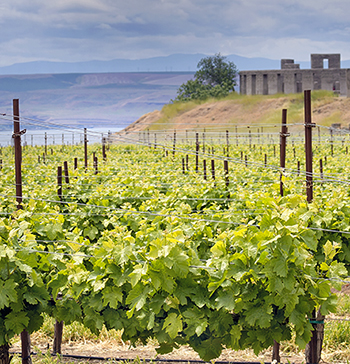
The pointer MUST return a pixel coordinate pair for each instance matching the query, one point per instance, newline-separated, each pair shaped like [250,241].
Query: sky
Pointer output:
[83,30]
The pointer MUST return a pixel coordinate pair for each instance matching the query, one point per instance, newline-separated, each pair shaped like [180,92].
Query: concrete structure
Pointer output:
[325,74]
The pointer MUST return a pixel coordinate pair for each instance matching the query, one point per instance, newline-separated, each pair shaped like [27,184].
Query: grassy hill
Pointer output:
[244,111]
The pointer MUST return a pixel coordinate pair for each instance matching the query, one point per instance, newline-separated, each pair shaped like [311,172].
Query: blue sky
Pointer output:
[83,30]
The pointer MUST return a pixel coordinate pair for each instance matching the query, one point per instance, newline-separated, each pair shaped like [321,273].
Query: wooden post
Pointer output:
[25,338]
[25,346]
[332,148]
[204,141]
[205,169]
[227,182]
[187,162]
[75,163]
[18,152]
[85,149]
[59,182]
[308,144]
[321,169]
[276,352]
[66,174]
[96,164]
[174,144]
[197,150]
[45,143]
[283,143]
[228,143]
[183,165]
[314,347]
[57,342]
[104,156]
[213,169]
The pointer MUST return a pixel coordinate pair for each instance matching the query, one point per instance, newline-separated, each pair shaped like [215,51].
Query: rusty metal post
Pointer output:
[308,145]
[312,352]
[104,156]
[228,143]
[332,147]
[213,169]
[85,148]
[197,150]
[174,142]
[227,182]
[59,182]
[25,337]
[283,142]
[321,169]
[96,164]
[66,174]
[18,152]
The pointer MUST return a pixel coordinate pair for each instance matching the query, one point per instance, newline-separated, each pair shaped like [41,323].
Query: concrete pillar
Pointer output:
[348,82]
[343,82]
[259,83]
[249,84]
[272,83]
[307,80]
[289,86]
[328,78]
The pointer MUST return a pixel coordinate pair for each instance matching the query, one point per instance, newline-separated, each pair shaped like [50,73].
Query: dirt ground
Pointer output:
[116,349]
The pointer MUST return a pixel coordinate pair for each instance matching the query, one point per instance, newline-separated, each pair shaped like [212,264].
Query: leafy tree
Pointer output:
[216,77]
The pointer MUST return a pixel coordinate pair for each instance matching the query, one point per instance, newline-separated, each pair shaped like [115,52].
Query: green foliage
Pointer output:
[214,79]
[161,255]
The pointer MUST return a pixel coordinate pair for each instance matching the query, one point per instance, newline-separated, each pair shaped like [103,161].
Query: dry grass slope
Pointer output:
[245,111]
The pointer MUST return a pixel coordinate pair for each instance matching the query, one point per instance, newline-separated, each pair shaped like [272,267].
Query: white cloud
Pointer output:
[73,30]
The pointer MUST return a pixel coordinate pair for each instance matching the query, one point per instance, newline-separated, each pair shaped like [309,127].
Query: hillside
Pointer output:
[245,111]
[111,100]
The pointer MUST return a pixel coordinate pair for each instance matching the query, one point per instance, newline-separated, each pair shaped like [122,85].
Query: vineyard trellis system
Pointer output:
[237,260]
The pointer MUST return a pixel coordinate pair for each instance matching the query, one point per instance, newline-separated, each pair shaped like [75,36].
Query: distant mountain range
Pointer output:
[89,100]
[172,63]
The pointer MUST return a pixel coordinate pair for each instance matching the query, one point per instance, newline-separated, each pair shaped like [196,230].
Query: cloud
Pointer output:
[78,30]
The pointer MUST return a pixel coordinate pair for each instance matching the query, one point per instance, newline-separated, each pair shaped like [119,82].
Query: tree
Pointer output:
[216,77]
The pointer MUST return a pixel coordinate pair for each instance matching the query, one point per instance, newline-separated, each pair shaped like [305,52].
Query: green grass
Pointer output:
[293,102]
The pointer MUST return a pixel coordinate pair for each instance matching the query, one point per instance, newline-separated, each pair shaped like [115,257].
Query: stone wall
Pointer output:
[291,79]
